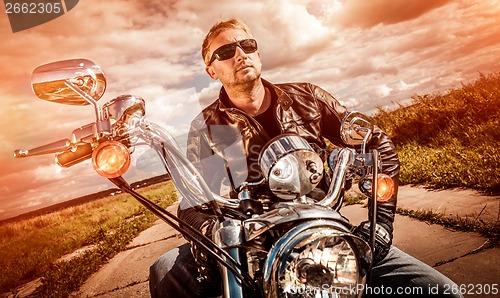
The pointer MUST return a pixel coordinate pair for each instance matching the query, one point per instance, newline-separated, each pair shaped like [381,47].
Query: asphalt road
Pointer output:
[461,255]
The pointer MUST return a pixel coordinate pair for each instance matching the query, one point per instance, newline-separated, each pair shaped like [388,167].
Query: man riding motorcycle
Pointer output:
[224,144]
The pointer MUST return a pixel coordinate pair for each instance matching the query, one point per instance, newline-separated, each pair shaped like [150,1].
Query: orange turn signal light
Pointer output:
[111,159]
[385,187]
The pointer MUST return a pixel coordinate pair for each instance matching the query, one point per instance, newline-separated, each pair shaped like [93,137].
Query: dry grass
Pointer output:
[450,140]
[28,248]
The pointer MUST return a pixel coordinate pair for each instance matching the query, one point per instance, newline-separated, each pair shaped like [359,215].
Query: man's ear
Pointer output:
[211,73]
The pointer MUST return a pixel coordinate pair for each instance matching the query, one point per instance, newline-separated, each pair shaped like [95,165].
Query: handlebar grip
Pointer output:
[53,147]
[69,158]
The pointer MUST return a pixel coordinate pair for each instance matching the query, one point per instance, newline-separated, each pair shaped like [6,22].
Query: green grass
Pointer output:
[352,198]
[62,278]
[30,248]
[449,140]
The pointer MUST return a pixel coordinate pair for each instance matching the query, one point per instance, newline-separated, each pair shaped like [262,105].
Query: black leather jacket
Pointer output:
[224,142]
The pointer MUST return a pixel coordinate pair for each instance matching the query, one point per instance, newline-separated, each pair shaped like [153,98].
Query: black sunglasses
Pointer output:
[227,51]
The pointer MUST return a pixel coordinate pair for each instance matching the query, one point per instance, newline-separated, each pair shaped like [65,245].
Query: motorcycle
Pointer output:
[297,246]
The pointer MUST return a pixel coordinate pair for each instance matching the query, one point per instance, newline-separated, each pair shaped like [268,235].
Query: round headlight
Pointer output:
[325,266]
[317,261]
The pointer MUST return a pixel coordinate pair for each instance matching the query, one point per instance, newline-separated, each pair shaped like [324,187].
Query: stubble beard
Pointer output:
[246,82]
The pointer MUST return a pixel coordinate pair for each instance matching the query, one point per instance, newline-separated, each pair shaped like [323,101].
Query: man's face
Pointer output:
[242,68]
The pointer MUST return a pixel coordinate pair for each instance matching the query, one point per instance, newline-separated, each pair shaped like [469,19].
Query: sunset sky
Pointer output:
[365,53]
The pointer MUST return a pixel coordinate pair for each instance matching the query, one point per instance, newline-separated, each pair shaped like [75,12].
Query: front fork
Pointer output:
[229,236]
[373,211]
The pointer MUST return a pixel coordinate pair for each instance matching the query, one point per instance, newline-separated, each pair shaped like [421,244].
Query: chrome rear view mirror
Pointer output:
[356,129]
[72,82]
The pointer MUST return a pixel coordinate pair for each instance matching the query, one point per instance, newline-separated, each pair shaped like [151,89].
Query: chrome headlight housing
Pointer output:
[291,166]
[317,259]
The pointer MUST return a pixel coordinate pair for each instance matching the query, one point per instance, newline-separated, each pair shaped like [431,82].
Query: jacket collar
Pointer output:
[283,99]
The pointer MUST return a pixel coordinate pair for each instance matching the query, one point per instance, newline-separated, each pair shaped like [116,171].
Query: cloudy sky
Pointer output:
[366,53]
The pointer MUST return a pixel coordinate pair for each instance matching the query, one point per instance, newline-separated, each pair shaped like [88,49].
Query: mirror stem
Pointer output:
[365,141]
[88,98]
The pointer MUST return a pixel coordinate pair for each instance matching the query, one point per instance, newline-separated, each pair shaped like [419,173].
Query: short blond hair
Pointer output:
[217,29]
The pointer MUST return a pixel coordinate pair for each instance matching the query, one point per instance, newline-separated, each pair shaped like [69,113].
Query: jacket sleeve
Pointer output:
[390,166]
[332,114]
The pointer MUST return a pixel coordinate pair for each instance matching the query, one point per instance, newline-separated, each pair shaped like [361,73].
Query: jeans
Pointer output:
[397,275]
